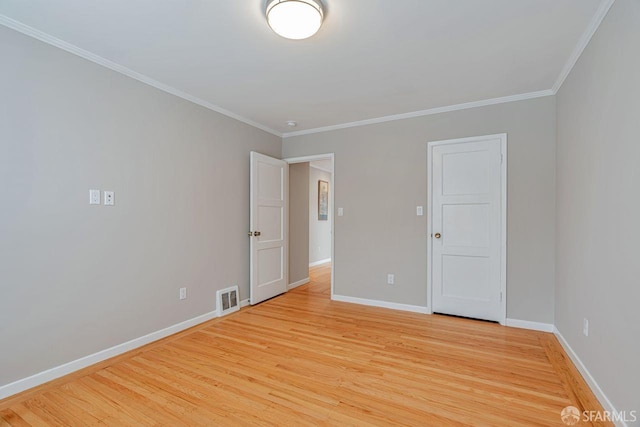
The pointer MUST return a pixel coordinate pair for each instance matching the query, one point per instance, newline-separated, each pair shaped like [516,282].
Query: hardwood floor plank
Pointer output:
[29,417]
[10,418]
[303,360]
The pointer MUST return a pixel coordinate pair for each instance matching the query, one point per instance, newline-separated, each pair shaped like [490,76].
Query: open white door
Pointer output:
[268,227]
[468,195]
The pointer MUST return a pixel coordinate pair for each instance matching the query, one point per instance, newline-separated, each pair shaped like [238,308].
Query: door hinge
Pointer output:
[500,296]
[501,158]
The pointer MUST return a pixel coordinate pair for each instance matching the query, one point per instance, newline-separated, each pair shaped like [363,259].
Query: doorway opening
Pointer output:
[311,222]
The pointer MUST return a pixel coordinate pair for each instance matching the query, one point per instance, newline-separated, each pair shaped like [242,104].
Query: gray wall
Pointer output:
[298,222]
[381,178]
[319,231]
[598,207]
[75,278]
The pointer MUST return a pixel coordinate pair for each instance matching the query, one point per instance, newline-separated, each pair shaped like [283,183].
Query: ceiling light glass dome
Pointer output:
[295,19]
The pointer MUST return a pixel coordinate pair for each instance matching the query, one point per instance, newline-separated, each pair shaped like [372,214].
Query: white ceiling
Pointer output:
[371,58]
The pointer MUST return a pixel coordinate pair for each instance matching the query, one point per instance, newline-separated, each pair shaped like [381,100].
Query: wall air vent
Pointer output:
[227,300]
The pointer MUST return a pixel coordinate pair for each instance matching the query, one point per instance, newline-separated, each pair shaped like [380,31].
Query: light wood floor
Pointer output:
[301,359]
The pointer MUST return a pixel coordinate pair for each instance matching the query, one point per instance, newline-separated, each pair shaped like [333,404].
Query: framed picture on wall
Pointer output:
[323,200]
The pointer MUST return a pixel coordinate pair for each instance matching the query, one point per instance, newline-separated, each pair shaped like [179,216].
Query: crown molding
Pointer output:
[597,19]
[431,111]
[584,40]
[54,41]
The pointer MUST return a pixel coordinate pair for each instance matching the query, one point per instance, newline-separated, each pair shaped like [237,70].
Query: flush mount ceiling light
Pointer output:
[295,19]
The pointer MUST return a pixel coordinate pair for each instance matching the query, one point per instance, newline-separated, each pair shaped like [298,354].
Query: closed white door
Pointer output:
[468,193]
[268,227]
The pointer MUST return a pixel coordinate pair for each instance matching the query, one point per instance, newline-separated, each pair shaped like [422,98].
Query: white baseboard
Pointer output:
[526,324]
[67,368]
[244,302]
[383,304]
[593,385]
[298,283]
[322,261]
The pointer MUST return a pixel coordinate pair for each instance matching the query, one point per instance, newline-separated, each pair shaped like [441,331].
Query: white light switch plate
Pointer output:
[94,197]
[340,211]
[109,198]
[419,211]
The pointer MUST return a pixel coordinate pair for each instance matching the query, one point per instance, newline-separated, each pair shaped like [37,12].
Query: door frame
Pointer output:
[503,219]
[332,192]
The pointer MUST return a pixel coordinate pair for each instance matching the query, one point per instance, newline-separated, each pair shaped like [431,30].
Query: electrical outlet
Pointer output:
[585,327]
[109,198]
[183,293]
[391,278]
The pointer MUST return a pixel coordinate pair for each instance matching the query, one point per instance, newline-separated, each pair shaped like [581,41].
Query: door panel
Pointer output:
[466,225]
[269,262]
[465,277]
[466,221]
[270,182]
[270,223]
[269,186]
[465,173]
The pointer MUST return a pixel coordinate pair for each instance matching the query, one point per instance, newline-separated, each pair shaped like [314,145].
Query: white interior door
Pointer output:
[467,227]
[268,227]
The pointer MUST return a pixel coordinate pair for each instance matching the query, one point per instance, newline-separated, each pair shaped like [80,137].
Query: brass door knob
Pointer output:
[437,235]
